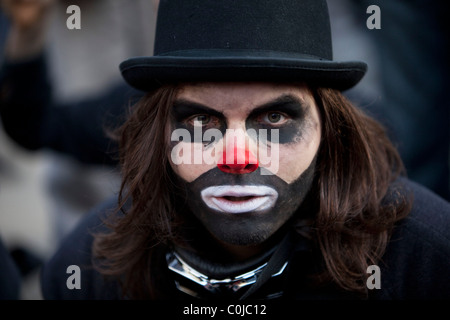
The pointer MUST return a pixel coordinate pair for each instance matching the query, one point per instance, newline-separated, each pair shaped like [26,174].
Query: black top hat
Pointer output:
[242,40]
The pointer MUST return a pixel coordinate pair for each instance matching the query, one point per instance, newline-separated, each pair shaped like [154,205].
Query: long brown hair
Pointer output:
[356,165]
[358,201]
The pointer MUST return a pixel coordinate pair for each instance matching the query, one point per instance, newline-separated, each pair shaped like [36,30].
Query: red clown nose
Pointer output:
[242,161]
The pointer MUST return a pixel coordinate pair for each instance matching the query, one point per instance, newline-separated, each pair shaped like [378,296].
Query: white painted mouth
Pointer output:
[238,198]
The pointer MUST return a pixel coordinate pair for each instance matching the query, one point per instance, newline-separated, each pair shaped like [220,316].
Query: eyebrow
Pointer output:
[184,108]
[287,103]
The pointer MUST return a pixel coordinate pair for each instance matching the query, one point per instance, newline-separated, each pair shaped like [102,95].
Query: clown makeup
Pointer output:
[245,209]
[235,201]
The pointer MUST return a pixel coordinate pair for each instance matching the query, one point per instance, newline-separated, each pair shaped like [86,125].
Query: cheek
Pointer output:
[295,158]
[188,160]
[190,172]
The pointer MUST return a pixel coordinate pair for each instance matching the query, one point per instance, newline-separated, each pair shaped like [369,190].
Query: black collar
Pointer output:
[201,278]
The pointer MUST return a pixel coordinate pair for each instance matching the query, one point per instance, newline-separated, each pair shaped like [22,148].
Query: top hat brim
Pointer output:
[148,73]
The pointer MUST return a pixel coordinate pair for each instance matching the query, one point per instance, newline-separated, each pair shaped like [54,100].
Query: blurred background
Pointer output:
[60,87]
[45,188]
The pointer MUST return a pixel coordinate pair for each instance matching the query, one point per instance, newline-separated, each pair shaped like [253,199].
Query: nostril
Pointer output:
[241,168]
[251,167]
[238,169]
[243,162]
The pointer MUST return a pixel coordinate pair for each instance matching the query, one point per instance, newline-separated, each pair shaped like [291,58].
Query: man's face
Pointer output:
[246,157]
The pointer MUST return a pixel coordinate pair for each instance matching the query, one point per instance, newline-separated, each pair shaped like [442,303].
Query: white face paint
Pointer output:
[239,199]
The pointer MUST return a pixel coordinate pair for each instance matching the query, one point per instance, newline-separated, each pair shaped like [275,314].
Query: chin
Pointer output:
[244,238]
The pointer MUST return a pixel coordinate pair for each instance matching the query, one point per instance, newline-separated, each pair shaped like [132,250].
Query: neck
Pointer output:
[221,262]
[241,253]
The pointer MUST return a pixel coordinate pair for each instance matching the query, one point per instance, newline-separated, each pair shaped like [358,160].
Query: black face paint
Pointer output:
[288,132]
[184,110]
[253,227]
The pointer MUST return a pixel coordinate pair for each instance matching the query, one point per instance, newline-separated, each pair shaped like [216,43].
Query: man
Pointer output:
[247,174]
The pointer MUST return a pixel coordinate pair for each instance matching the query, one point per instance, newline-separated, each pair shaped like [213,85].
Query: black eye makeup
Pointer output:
[203,121]
[194,116]
[273,118]
[184,110]
[286,114]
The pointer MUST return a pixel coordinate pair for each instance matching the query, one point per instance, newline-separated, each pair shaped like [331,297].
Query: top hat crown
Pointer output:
[237,40]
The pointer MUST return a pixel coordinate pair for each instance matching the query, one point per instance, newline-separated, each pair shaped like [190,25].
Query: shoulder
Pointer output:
[69,274]
[417,259]
[429,218]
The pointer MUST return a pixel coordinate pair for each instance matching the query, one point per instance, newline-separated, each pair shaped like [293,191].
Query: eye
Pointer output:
[274,118]
[202,119]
